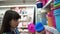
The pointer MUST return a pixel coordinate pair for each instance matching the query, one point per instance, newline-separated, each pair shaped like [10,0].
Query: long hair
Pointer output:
[9,15]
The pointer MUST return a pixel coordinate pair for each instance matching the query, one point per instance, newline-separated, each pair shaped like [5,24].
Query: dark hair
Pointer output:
[9,15]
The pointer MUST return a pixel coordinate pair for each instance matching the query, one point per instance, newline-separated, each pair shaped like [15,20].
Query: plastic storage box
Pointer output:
[56,1]
[57,18]
[50,18]
[39,5]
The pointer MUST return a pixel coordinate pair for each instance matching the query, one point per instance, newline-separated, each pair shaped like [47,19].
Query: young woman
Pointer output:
[10,22]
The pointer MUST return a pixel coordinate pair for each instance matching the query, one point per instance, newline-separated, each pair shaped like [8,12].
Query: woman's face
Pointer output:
[14,23]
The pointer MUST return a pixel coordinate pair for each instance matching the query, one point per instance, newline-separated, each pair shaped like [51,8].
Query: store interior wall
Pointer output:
[17,2]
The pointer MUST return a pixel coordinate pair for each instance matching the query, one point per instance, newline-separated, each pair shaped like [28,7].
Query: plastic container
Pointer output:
[57,5]
[39,27]
[44,19]
[39,5]
[31,28]
[56,1]
[51,19]
[57,18]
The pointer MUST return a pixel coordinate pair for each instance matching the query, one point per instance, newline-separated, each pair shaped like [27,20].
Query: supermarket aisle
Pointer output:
[47,12]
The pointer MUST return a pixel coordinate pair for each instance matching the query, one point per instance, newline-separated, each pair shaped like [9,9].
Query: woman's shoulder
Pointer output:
[7,33]
[4,33]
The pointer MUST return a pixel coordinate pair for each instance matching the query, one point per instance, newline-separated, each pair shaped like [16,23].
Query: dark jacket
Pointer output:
[17,32]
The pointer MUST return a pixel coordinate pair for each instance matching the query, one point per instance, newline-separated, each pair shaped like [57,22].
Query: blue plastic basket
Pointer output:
[57,18]
[57,12]
[56,1]
[39,27]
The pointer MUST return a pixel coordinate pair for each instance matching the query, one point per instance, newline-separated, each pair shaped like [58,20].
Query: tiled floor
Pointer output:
[23,33]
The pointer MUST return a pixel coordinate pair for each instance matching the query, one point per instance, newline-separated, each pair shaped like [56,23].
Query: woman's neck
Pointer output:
[12,29]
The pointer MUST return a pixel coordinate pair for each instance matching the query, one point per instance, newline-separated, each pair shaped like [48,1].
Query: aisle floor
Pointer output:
[23,33]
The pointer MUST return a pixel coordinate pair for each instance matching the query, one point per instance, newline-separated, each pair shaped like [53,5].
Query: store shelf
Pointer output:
[51,29]
[19,6]
[24,27]
[47,4]
[22,30]
[23,14]
[24,20]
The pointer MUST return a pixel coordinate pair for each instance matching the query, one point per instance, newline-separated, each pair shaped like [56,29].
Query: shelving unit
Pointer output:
[50,29]
[42,10]
[19,6]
